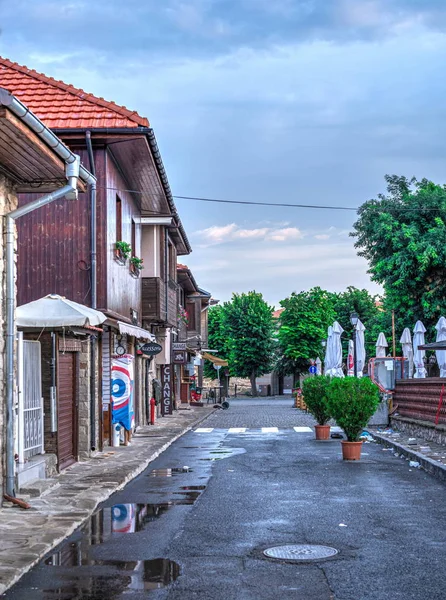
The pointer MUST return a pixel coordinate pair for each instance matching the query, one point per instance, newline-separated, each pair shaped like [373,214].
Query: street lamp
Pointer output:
[354,321]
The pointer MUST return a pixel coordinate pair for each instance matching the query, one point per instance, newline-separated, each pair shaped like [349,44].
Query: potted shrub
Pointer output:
[122,251]
[351,402]
[136,265]
[315,390]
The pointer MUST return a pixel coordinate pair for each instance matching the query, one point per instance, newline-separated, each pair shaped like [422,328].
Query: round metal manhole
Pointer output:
[300,552]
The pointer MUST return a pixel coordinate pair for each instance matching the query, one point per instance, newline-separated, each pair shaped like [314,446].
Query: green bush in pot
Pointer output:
[315,391]
[351,402]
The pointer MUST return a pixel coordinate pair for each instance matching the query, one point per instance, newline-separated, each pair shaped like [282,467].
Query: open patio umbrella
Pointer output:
[381,346]
[418,355]
[351,359]
[56,311]
[406,345]
[327,365]
[360,348]
[441,337]
[336,352]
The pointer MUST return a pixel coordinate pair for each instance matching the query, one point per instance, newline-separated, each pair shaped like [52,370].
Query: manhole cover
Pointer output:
[300,552]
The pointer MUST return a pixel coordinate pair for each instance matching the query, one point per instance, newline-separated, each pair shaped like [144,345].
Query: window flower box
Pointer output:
[122,252]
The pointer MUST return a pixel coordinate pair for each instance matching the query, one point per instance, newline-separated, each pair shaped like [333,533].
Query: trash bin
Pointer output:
[265,389]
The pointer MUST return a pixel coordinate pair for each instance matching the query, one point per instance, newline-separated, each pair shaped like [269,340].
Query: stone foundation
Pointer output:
[417,428]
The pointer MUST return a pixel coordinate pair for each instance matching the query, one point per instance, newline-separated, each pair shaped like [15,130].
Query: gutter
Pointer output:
[73,171]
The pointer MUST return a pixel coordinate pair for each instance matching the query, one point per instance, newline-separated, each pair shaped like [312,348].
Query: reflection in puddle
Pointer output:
[142,575]
[169,472]
[107,522]
[193,487]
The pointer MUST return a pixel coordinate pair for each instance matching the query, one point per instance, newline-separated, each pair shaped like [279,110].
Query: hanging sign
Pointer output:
[179,346]
[166,387]
[179,357]
[151,349]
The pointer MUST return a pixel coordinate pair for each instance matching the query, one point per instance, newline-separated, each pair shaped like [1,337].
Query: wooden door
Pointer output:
[67,409]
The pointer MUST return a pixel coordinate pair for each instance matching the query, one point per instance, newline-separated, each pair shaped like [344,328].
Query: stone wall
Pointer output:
[418,428]
[8,202]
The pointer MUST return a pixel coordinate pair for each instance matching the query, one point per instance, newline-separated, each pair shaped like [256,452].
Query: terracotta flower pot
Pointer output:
[322,432]
[351,450]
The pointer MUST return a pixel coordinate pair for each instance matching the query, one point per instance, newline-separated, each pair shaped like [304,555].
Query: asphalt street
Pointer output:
[195,524]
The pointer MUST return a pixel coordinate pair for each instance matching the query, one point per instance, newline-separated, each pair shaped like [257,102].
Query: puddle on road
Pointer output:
[169,472]
[193,488]
[142,575]
[108,522]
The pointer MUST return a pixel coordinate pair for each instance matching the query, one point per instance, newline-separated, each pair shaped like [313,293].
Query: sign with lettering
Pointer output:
[166,387]
[151,349]
[179,357]
[179,346]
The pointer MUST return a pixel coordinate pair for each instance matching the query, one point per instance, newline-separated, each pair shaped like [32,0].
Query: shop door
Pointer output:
[67,410]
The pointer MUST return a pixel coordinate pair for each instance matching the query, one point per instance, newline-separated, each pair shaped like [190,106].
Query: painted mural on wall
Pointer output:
[122,391]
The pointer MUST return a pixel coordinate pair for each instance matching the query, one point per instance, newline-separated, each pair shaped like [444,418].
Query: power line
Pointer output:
[281,204]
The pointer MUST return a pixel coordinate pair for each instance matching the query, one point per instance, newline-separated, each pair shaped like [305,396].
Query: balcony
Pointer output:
[158,306]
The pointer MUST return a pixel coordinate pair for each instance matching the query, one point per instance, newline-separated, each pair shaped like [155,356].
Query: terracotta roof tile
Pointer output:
[62,106]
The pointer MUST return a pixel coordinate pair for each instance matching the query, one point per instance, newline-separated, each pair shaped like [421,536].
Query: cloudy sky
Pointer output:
[292,101]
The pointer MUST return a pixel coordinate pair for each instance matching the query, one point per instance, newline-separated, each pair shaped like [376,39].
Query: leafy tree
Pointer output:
[217,338]
[303,326]
[364,304]
[249,324]
[402,235]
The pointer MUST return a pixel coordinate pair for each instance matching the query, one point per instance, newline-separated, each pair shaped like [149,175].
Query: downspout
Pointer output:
[70,192]
[94,300]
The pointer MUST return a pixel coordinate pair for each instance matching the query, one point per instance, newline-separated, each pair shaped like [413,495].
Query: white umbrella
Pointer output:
[327,365]
[441,337]
[318,366]
[56,311]
[382,345]
[351,359]
[406,344]
[360,348]
[418,355]
[336,352]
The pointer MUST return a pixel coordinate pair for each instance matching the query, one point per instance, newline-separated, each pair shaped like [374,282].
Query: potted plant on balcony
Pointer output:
[122,251]
[182,315]
[351,402]
[136,265]
[315,392]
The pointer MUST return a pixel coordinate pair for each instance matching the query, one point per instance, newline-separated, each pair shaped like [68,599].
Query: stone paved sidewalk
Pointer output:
[430,456]
[27,535]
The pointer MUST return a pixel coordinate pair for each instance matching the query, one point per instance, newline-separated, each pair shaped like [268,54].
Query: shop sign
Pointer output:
[179,346]
[151,349]
[166,385]
[179,357]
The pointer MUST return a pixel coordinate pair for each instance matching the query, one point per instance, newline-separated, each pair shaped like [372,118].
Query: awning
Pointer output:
[56,311]
[214,359]
[138,332]
[433,346]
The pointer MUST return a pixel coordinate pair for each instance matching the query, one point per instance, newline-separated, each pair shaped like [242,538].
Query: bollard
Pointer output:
[152,411]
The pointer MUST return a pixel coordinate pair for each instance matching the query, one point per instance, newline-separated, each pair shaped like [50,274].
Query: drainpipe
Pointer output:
[69,191]
[94,301]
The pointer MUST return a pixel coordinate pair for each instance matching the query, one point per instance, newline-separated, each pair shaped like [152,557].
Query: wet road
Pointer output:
[199,532]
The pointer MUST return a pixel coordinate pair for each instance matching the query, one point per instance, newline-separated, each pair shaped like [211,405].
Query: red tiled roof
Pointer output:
[62,106]
[181,267]
[277,313]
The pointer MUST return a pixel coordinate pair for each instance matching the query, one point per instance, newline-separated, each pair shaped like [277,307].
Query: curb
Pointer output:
[109,492]
[429,465]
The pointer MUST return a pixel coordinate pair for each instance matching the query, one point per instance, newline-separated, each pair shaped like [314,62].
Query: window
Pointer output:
[191,321]
[172,263]
[118,219]
[133,242]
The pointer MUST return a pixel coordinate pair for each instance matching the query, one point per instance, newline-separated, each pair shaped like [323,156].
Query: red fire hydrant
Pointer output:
[152,411]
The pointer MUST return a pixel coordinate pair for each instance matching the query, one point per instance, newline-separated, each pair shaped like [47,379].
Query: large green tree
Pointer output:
[218,338]
[250,326]
[402,235]
[303,326]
